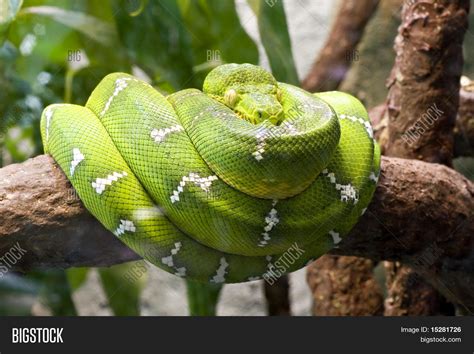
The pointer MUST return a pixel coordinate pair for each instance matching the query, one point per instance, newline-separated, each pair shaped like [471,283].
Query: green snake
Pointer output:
[243,180]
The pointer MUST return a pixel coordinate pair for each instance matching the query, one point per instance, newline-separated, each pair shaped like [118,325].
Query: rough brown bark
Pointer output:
[338,53]
[422,106]
[341,273]
[410,295]
[431,254]
[344,286]
[424,84]
[463,130]
[417,208]
[40,210]
[405,297]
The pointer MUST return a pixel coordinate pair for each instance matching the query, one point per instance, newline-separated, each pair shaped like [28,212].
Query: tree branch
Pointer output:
[424,84]
[422,214]
[463,130]
[40,210]
[336,57]
[410,295]
[422,106]
[344,286]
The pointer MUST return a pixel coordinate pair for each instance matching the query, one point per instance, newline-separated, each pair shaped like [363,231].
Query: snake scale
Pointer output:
[245,179]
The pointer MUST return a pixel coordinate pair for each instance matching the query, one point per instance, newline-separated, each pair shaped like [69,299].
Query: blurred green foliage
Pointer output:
[465,165]
[469,46]
[57,51]
[275,38]
[203,298]
[123,285]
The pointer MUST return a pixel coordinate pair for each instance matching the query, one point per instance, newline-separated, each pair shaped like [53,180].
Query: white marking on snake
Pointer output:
[269,260]
[271,221]
[335,237]
[185,96]
[374,177]
[260,149]
[125,225]
[48,114]
[221,272]
[120,85]
[198,117]
[158,135]
[77,157]
[168,260]
[364,122]
[147,213]
[101,183]
[213,112]
[347,191]
[269,265]
[310,106]
[203,182]
[180,272]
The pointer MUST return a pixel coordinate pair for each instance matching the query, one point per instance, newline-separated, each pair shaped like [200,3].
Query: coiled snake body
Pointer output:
[218,185]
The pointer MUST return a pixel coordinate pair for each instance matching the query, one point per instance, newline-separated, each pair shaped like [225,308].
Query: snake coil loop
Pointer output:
[246,179]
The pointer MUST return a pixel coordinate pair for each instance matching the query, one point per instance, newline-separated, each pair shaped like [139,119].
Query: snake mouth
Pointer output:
[256,116]
[260,117]
[259,109]
[240,115]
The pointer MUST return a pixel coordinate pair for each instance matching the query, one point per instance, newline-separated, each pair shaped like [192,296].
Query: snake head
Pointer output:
[258,107]
[248,90]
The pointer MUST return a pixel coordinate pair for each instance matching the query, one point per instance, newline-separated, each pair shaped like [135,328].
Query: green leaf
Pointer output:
[465,166]
[55,49]
[8,11]
[55,292]
[203,298]
[77,277]
[92,27]
[275,38]
[216,34]
[157,41]
[17,294]
[123,285]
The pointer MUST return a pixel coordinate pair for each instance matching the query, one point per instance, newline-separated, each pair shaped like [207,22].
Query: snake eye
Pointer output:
[230,97]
